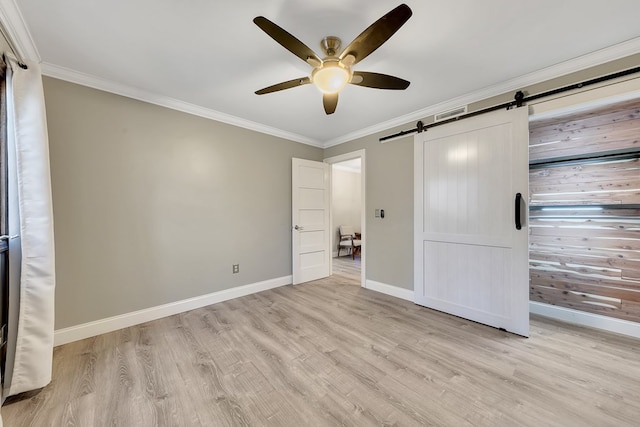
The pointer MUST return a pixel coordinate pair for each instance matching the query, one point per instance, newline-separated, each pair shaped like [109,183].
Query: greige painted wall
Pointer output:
[153,206]
[4,46]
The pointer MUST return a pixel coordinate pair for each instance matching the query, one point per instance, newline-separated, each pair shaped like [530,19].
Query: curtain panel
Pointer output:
[31,245]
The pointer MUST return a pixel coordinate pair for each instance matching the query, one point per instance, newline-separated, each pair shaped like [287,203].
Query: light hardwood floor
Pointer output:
[347,268]
[331,353]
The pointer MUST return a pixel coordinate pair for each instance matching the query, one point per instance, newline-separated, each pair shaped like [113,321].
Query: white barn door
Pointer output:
[471,236]
[310,220]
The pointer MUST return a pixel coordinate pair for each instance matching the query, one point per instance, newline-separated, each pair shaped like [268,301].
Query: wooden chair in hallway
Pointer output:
[349,240]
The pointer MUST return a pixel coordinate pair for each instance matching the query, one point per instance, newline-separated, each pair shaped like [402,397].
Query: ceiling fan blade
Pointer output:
[288,41]
[284,85]
[377,33]
[330,101]
[378,81]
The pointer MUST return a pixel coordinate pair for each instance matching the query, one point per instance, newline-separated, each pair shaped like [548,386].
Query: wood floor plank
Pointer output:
[331,353]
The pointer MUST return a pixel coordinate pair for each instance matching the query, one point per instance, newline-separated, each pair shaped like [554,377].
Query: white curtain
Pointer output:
[31,266]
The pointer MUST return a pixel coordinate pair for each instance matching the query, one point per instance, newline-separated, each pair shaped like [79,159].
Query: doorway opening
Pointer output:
[347,216]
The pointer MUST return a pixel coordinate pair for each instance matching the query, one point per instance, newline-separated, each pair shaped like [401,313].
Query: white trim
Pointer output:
[361,154]
[13,22]
[582,318]
[86,330]
[394,291]
[593,59]
[99,83]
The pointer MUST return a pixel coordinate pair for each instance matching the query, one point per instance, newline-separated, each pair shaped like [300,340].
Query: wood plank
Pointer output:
[583,147]
[627,228]
[625,269]
[618,112]
[613,130]
[585,199]
[576,299]
[609,128]
[580,269]
[587,137]
[626,310]
[613,170]
[586,194]
[592,279]
[612,182]
[612,212]
[607,288]
[587,241]
[580,250]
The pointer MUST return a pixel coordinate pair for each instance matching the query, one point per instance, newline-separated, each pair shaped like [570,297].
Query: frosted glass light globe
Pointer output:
[331,77]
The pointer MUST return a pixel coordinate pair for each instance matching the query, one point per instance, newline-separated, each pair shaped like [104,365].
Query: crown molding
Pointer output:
[88,80]
[593,59]
[16,29]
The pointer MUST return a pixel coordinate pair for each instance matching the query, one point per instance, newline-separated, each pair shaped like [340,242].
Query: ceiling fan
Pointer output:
[333,72]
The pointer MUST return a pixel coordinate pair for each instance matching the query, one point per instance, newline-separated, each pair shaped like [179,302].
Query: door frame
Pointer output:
[361,154]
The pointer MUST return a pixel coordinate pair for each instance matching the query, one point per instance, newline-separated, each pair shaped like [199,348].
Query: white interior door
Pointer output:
[310,220]
[471,258]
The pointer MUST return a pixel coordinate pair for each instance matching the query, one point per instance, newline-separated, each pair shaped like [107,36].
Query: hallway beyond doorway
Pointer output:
[348,268]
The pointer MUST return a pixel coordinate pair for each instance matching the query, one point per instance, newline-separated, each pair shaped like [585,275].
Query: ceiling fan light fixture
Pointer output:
[331,77]
[333,72]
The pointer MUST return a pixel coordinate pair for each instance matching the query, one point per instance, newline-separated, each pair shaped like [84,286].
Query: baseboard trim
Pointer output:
[394,291]
[582,318]
[90,329]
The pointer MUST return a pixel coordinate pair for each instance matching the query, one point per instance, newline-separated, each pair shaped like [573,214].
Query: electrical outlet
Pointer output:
[236,268]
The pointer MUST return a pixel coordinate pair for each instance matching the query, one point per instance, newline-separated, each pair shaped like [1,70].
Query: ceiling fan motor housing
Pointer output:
[331,45]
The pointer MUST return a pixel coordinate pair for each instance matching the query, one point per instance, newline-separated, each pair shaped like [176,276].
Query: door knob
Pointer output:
[297,227]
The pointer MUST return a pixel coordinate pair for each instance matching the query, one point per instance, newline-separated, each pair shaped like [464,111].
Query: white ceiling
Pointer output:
[207,56]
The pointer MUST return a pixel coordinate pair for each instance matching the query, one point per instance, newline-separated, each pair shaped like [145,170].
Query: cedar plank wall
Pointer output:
[585,251]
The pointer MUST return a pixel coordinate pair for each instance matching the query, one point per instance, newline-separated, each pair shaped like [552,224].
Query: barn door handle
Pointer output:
[518,203]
